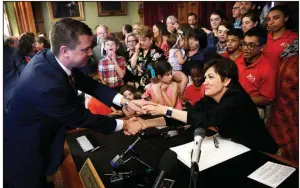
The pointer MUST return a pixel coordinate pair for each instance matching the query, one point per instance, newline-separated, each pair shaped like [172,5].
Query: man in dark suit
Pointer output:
[44,105]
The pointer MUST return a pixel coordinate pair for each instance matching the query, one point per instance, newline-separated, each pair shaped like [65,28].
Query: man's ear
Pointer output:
[227,81]
[64,51]
[286,18]
[262,48]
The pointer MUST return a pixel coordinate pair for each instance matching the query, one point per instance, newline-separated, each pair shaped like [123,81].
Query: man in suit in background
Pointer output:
[102,35]
[44,105]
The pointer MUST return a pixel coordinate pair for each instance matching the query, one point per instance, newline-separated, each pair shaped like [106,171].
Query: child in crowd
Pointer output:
[111,69]
[41,43]
[177,58]
[162,89]
[195,91]
[130,93]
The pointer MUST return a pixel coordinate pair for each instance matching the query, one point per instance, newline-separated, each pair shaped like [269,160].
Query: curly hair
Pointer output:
[25,43]
[145,31]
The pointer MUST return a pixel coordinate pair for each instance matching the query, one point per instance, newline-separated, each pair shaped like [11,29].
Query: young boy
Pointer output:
[222,37]
[111,68]
[258,77]
[195,91]
[234,52]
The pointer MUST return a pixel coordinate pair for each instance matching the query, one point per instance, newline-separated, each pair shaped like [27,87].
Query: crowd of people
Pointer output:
[222,76]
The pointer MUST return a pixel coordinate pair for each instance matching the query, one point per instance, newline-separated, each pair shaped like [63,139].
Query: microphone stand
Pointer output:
[194,175]
[120,161]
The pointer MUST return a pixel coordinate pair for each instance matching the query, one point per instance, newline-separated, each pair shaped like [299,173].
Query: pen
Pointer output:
[216,142]
[95,148]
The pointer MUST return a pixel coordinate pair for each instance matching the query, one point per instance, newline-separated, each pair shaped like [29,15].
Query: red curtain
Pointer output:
[158,12]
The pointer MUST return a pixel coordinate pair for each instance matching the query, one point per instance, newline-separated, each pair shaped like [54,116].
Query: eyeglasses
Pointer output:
[250,46]
[235,8]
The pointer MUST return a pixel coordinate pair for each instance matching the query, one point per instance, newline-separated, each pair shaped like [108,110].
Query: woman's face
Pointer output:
[214,86]
[215,21]
[131,42]
[135,27]
[145,42]
[155,31]
[193,43]
[128,95]
[167,77]
[247,24]
[276,20]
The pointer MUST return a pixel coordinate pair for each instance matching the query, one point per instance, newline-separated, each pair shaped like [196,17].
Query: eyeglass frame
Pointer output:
[249,47]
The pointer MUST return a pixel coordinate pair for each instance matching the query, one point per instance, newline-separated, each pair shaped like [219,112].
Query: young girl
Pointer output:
[162,89]
[130,93]
[177,58]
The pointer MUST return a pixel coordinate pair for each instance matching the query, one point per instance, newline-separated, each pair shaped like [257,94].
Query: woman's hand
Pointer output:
[137,48]
[155,109]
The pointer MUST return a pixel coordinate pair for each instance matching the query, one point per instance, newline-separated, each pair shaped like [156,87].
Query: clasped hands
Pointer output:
[135,125]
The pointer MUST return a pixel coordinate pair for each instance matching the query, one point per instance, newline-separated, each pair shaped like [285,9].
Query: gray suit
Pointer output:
[97,52]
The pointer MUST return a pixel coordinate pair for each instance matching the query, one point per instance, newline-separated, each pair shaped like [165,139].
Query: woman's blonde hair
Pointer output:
[145,31]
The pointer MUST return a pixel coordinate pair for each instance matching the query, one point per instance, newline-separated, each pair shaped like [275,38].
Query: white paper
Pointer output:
[210,155]
[272,174]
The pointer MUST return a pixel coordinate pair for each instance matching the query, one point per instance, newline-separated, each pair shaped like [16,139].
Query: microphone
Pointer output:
[199,134]
[167,161]
[118,159]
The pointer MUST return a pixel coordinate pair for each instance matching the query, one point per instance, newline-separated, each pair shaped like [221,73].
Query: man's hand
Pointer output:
[131,126]
[177,77]
[155,109]
[137,104]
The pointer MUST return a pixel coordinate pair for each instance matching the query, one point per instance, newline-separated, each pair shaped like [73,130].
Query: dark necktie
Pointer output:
[72,82]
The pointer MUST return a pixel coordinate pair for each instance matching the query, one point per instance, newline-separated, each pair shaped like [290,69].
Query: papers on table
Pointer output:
[272,174]
[210,155]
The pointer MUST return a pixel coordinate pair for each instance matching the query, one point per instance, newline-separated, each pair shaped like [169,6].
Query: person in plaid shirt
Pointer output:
[111,68]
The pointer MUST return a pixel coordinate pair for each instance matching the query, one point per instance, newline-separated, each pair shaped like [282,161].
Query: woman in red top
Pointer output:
[161,36]
[279,37]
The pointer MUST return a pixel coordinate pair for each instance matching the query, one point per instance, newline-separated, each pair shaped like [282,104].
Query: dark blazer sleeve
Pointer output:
[55,102]
[90,86]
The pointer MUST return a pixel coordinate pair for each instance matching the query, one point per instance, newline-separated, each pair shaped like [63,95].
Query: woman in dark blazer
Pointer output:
[225,106]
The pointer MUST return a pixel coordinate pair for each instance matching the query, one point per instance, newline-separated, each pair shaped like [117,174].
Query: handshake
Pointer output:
[135,125]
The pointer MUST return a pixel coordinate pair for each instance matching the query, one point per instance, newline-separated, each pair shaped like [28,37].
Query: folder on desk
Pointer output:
[210,155]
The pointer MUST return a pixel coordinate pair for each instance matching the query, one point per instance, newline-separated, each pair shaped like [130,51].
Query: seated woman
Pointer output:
[162,89]
[225,106]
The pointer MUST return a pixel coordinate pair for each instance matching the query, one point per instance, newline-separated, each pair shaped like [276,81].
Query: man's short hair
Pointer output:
[258,32]
[66,32]
[128,28]
[170,19]
[192,14]
[236,32]
[9,41]
[102,26]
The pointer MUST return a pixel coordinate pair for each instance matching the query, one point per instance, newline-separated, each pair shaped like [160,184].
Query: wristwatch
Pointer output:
[169,112]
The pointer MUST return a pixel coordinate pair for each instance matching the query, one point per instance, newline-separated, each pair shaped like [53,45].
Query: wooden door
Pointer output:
[193,8]
[182,12]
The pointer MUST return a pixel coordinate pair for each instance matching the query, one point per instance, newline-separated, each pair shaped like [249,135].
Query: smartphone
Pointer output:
[167,183]
[89,143]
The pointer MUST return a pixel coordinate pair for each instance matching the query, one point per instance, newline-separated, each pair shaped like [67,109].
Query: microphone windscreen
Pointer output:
[199,132]
[167,161]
